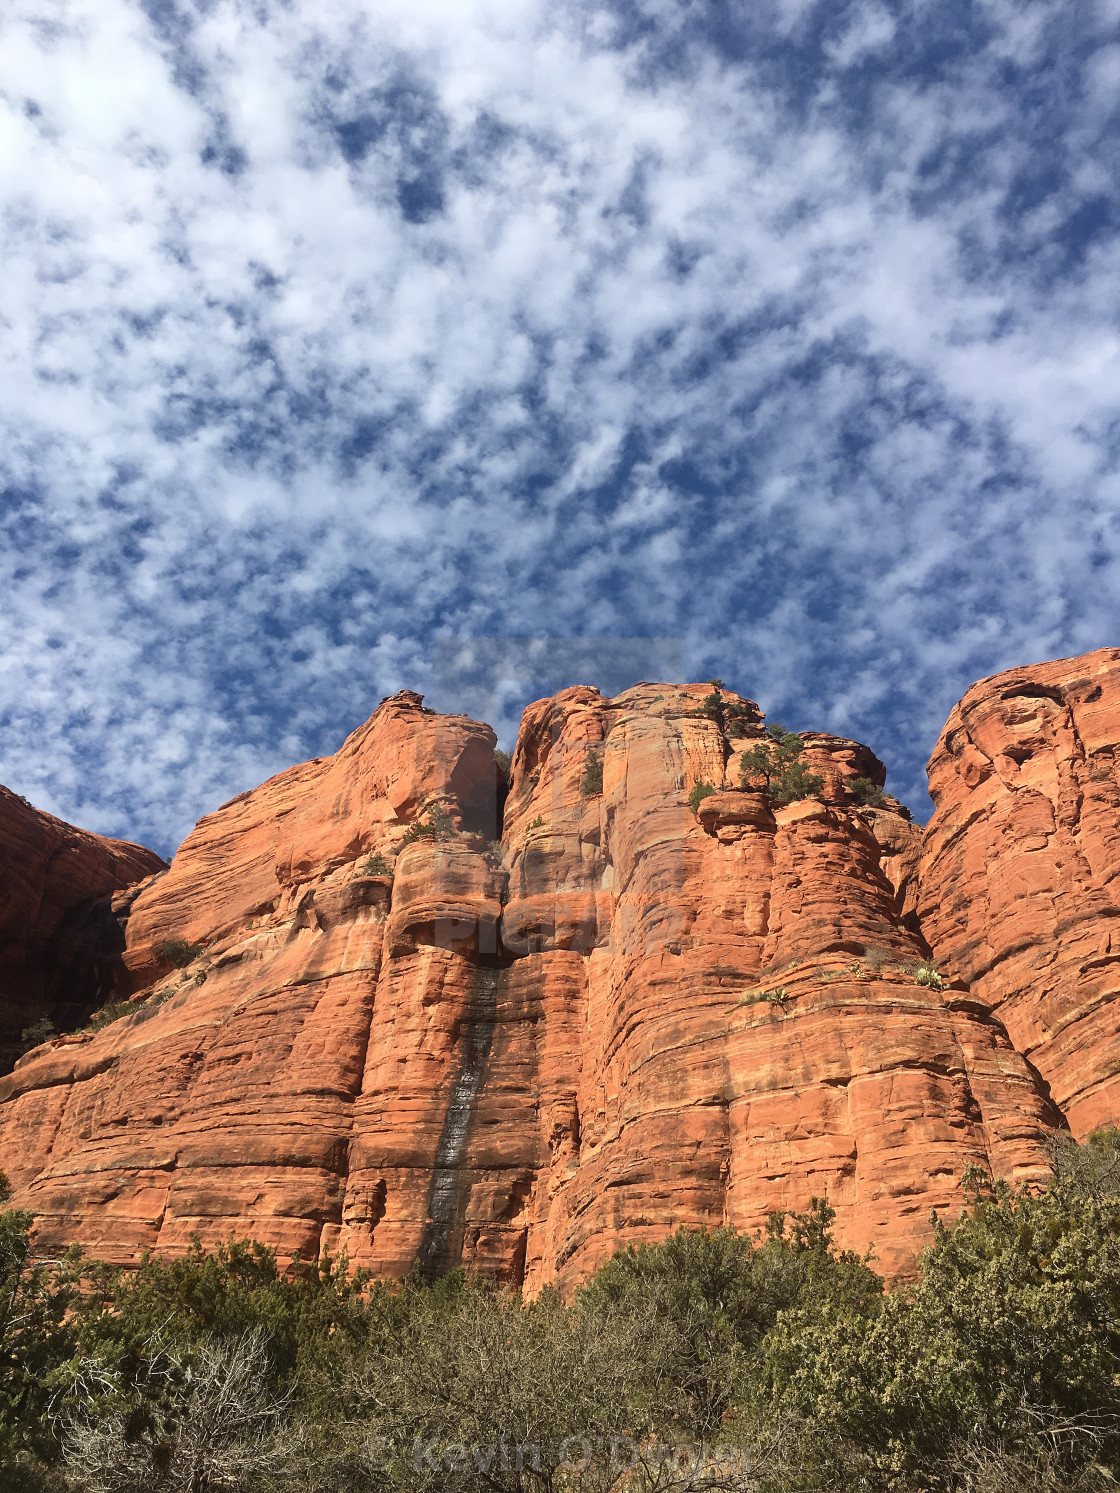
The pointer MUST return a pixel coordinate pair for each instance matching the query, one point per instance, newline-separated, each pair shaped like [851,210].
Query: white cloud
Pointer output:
[488,324]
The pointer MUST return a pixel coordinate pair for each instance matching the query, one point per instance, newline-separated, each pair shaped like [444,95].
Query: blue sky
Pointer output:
[331,334]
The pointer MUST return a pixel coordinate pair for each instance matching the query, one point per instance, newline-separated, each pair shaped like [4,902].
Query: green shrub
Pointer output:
[865,792]
[712,708]
[439,825]
[110,1013]
[731,718]
[375,865]
[591,783]
[776,997]
[778,761]
[37,1033]
[537,823]
[503,760]
[1006,1350]
[178,952]
[716,1295]
[698,794]
[926,974]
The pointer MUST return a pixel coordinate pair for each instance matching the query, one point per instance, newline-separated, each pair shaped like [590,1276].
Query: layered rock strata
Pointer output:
[1019,889]
[518,1054]
[60,934]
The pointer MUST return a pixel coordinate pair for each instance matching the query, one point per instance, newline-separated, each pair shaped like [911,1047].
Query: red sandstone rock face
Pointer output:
[226,1103]
[58,936]
[679,1092]
[1018,875]
[519,1056]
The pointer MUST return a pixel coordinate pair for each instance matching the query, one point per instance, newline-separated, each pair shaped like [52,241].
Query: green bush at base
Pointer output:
[712,1359]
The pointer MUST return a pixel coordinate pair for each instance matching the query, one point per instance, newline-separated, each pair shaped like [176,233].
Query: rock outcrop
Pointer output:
[362,1022]
[60,936]
[1019,891]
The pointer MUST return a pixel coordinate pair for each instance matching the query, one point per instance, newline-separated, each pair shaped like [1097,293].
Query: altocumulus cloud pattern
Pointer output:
[329,331]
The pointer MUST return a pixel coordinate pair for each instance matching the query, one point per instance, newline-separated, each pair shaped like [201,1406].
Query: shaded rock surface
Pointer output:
[622,1016]
[60,935]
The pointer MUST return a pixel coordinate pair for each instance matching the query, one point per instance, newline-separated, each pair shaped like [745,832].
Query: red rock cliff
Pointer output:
[59,937]
[1019,893]
[622,1017]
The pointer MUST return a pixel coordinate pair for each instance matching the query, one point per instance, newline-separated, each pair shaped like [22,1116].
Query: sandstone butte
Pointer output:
[622,1017]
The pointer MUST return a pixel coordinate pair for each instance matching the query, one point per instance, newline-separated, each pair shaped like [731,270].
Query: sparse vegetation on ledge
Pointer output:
[698,794]
[439,825]
[865,792]
[177,952]
[778,763]
[926,974]
[731,718]
[39,1032]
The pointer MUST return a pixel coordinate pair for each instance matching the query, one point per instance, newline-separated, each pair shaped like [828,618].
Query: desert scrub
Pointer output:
[779,763]
[178,952]
[591,783]
[698,794]
[39,1032]
[926,974]
[537,823]
[376,865]
[502,761]
[108,1014]
[143,1009]
[866,793]
[776,997]
[439,825]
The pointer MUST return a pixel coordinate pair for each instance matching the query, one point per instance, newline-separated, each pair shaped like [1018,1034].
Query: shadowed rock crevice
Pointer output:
[60,938]
[441,1244]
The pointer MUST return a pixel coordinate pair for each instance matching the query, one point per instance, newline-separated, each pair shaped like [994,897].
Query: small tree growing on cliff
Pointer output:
[699,794]
[38,1032]
[865,792]
[728,716]
[591,784]
[439,825]
[779,763]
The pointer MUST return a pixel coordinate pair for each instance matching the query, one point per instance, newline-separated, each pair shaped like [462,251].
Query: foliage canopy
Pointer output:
[762,1365]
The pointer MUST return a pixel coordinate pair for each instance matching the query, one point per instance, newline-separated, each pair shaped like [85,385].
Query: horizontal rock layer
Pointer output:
[1019,889]
[622,1016]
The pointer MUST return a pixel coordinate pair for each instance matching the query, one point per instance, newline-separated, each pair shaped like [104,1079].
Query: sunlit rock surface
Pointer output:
[519,1052]
[1019,890]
